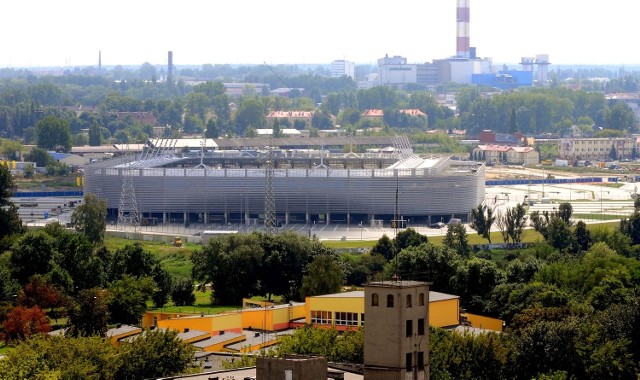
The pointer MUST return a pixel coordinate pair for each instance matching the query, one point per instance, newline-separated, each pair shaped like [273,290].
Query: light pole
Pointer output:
[360,230]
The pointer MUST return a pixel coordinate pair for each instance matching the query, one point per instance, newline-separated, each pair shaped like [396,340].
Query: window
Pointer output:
[409,328]
[374,299]
[420,360]
[389,300]
[362,319]
[321,317]
[421,299]
[421,326]
[346,319]
[408,357]
[408,300]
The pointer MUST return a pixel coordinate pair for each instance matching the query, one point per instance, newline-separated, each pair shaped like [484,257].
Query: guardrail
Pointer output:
[38,194]
[511,182]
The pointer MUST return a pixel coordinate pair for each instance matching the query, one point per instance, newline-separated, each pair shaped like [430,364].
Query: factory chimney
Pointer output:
[462,41]
[170,65]
[99,61]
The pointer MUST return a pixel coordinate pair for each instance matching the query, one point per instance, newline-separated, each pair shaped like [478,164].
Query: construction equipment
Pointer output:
[177,241]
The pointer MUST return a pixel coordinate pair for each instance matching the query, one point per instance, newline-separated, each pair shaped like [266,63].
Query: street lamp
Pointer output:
[360,230]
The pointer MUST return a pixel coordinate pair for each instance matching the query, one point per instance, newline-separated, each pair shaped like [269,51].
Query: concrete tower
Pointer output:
[396,338]
[542,60]
[463,13]
[170,66]
[99,61]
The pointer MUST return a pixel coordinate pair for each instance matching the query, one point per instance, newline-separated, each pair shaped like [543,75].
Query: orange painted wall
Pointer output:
[444,313]
[482,322]
[209,323]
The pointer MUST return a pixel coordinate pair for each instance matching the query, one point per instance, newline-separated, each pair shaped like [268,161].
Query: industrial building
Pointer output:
[465,66]
[222,187]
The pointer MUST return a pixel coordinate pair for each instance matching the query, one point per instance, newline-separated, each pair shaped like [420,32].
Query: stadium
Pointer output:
[222,187]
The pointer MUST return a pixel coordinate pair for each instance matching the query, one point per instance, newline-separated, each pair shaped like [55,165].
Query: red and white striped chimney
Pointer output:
[462,42]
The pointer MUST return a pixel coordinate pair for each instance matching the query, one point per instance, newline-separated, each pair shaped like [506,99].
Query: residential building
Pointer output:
[593,149]
[341,67]
[510,155]
[293,117]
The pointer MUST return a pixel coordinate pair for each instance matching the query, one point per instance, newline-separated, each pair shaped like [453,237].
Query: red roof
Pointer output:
[373,113]
[494,148]
[413,112]
[287,114]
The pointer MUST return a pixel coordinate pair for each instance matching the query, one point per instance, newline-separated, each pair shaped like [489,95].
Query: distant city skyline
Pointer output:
[67,33]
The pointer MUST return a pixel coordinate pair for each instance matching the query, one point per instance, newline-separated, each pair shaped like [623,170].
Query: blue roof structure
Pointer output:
[504,80]
[58,156]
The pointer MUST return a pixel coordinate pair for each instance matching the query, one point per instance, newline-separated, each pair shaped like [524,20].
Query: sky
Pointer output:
[69,33]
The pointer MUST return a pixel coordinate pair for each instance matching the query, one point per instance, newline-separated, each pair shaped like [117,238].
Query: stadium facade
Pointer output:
[229,188]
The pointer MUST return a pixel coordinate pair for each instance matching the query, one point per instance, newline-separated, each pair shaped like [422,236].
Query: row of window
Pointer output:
[342,318]
[419,360]
[409,327]
[375,300]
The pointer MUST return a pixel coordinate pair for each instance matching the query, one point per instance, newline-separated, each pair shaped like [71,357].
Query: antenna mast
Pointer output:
[269,192]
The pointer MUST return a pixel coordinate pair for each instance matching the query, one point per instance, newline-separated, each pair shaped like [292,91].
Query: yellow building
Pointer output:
[346,311]
[214,324]
[272,318]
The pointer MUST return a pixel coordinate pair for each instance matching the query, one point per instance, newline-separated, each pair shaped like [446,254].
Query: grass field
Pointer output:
[177,261]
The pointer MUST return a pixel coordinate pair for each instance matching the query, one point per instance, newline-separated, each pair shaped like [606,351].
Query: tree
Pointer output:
[21,323]
[54,134]
[385,247]
[565,210]
[250,114]
[213,131]
[474,281]
[559,234]
[428,263]
[409,238]
[231,264]
[182,292]
[456,238]
[163,288]
[582,237]
[128,300]
[515,221]
[31,254]
[481,220]
[89,314]
[325,276]
[90,218]
[39,292]
[290,255]
[613,153]
[631,227]
[540,223]
[10,222]
[95,135]
[155,354]
[501,223]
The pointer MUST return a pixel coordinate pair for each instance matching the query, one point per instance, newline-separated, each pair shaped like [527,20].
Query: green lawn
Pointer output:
[176,260]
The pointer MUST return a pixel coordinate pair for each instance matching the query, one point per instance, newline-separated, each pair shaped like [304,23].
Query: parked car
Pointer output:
[437,225]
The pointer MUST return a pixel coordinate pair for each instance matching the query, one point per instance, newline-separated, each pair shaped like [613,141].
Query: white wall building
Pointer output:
[596,148]
[343,67]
